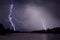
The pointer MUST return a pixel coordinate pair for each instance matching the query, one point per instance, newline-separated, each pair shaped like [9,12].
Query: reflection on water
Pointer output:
[30,36]
[53,36]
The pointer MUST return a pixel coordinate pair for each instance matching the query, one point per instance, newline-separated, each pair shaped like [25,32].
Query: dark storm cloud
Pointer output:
[4,11]
[51,5]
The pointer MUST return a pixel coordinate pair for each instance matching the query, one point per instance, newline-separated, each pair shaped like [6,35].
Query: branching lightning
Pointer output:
[10,18]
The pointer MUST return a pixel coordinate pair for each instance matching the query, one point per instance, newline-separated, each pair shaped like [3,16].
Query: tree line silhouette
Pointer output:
[6,31]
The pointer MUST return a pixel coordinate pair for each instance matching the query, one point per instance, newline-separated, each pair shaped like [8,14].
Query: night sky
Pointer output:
[29,15]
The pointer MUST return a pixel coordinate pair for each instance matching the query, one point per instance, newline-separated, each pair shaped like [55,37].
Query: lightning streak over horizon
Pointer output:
[43,24]
[10,18]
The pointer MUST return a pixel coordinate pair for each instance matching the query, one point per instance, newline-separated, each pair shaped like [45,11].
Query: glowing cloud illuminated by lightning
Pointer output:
[36,17]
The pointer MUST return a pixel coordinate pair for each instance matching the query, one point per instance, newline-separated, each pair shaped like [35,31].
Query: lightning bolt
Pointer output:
[10,18]
[43,24]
